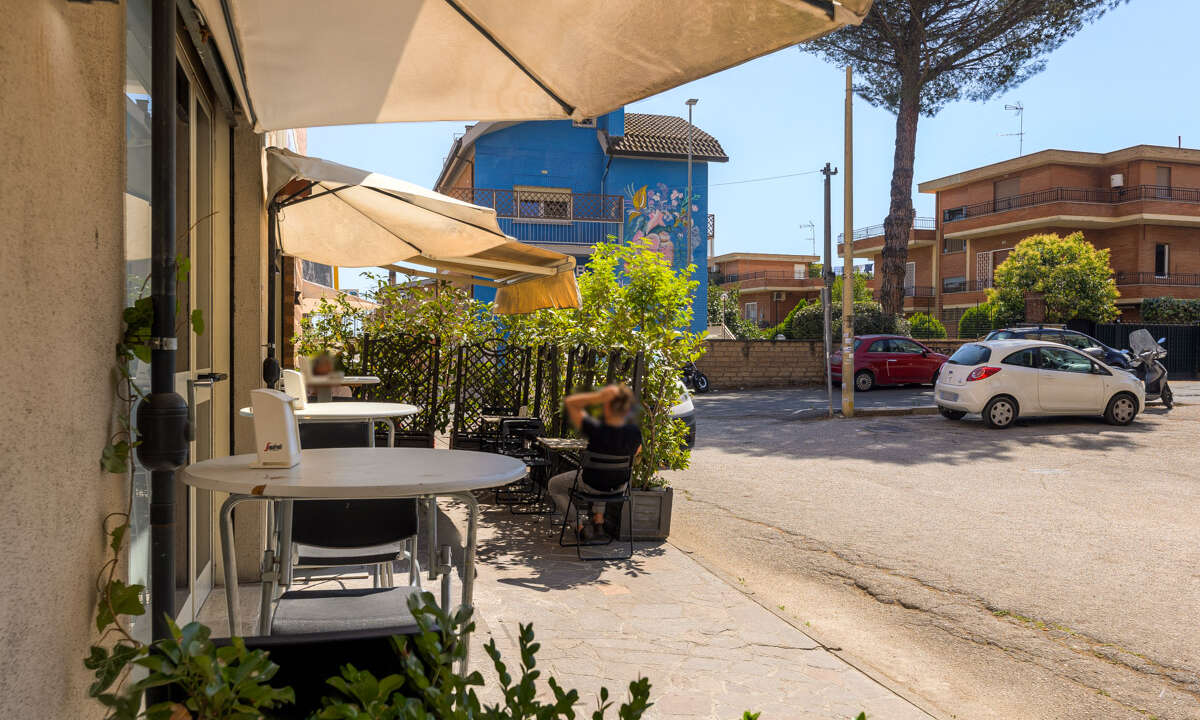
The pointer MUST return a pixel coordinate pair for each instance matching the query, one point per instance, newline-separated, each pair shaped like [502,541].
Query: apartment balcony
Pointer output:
[963,286]
[870,238]
[769,280]
[551,218]
[1078,208]
[1125,277]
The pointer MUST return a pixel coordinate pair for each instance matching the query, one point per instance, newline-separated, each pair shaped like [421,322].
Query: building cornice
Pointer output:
[1062,157]
[730,257]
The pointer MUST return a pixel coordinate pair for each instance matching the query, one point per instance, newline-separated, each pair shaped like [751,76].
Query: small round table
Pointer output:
[325,384]
[353,411]
[344,473]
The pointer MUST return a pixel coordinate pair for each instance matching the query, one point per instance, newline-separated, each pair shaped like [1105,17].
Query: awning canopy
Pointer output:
[339,215]
[305,63]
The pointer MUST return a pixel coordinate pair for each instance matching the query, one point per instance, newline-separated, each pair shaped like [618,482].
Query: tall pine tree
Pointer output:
[914,56]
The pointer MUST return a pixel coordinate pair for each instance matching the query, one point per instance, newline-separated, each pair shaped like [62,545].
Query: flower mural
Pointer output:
[658,216]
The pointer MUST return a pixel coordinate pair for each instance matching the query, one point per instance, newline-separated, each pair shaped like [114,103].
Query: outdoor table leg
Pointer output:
[229,559]
[391,423]
[431,523]
[468,580]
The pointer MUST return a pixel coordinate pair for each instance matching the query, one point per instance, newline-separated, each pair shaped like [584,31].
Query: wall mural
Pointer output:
[658,215]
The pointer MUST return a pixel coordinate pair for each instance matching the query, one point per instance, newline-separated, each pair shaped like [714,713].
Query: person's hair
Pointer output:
[623,401]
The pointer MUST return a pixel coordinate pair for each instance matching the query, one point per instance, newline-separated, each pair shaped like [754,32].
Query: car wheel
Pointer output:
[1000,412]
[1121,410]
[864,380]
[951,414]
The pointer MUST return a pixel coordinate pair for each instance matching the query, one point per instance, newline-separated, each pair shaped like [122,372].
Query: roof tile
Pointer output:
[664,136]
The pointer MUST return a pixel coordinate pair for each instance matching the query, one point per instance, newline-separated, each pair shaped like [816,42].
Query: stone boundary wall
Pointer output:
[742,364]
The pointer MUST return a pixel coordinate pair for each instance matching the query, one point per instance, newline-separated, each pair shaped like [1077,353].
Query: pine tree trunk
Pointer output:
[897,227]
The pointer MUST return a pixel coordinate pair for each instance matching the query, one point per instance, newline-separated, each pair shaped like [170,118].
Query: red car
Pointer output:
[889,360]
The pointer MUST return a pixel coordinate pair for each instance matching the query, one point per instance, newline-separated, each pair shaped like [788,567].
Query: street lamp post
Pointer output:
[691,103]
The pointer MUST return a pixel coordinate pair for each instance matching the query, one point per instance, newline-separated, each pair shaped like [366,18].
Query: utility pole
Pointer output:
[687,206]
[848,253]
[827,291]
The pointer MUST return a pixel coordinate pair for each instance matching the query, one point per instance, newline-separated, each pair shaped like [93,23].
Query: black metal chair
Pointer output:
[306,661]
[517,439]
[579,498]
[352,533]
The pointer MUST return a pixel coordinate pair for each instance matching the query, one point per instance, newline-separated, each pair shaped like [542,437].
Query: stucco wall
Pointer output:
[62,272]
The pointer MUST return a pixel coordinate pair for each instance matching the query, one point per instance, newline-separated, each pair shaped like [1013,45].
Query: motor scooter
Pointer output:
[1145,357]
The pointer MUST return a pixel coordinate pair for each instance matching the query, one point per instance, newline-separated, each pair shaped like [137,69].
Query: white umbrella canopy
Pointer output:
[306,63]
[339,215]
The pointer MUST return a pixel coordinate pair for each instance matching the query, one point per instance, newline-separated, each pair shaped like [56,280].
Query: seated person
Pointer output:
[615,434]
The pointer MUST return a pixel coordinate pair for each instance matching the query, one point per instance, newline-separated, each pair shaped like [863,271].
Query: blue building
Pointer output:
[568,185]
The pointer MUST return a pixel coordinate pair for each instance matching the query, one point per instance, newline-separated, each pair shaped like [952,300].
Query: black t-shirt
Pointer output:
[609,440]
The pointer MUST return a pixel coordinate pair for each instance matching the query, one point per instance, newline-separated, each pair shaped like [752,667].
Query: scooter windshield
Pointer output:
[1141,342]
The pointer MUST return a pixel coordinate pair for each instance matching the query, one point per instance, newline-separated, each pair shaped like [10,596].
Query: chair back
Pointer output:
[307,660]
[517,434]
[348,523]
[295,387]
[606,472]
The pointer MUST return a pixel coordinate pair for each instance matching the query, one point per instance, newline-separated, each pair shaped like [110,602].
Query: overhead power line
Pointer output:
[765,179]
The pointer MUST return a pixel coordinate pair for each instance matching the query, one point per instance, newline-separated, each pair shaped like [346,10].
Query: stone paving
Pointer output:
[708,649]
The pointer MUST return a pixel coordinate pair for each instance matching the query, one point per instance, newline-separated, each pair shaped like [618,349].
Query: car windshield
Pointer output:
[972,354]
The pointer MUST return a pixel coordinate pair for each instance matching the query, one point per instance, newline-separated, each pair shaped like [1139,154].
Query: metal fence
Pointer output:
[1182,342]
[1074,195]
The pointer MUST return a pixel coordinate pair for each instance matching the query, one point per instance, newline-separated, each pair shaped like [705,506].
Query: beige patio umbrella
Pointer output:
[305,63]
[339,215]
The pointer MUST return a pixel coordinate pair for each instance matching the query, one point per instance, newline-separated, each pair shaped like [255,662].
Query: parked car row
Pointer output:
[1014,372]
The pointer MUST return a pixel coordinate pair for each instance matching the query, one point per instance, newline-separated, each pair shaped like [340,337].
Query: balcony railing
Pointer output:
[536,216]
[959,286]
[542,206]
[1125,277]
[1073,195]
[762,275]
[921,223]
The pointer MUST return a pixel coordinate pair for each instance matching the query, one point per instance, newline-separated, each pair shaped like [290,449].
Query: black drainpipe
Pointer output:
[162,419]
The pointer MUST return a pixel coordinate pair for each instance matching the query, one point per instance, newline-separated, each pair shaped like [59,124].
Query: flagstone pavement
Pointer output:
[709,650]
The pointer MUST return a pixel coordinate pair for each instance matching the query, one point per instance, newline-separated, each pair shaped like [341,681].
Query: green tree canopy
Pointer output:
[914,56]
[1073,276]
[862,293]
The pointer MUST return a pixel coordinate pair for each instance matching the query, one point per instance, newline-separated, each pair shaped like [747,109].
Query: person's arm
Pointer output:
[578,403]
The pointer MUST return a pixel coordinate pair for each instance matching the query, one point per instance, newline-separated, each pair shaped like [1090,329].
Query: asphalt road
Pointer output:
[1048,571]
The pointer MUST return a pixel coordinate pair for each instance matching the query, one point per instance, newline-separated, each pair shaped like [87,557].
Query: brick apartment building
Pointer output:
[1141,203]
[769,285]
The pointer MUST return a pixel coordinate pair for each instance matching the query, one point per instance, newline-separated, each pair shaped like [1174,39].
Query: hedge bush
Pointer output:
[1171,310]
[976,322]
[869,319]
[926,326]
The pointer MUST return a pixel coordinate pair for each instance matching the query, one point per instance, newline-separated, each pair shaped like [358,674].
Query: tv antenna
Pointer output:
[1019,109]
[812,234]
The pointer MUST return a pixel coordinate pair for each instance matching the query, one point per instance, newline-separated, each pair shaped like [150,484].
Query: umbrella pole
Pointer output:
[271,363]
[162,418]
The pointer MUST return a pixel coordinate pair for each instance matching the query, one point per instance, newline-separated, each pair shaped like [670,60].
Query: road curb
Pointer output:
[886,411]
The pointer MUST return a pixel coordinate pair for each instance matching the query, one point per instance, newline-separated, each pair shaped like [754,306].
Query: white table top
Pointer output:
[350,410]
[335,380]
[358,473]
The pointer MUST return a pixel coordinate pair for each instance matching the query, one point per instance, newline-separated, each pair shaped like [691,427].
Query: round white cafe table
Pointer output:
[353,411]
[345,473]
[324,384]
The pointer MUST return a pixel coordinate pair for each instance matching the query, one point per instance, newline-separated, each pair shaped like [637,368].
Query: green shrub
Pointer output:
[926,326]
[869,319]
[976,322]
[1171,310]
[784,327]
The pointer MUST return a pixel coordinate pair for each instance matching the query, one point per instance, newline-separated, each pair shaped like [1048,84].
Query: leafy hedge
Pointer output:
[1171,310]
[926,326]
[976,322]
[869,318]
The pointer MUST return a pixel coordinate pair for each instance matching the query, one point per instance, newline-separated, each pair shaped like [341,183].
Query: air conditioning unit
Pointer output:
[584,123]
[1117,180]
[778,297]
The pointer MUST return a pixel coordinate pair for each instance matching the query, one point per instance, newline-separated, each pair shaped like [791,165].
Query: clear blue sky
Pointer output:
[1123,81]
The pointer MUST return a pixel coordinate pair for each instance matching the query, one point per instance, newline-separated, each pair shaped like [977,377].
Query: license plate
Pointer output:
[947,395]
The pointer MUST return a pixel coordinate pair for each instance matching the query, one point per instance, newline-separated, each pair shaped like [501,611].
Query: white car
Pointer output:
[1004,379]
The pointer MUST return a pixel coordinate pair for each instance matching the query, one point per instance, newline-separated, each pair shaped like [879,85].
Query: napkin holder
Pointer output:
[275,432]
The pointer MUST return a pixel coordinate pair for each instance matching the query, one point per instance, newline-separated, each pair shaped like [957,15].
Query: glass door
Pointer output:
[203,250]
